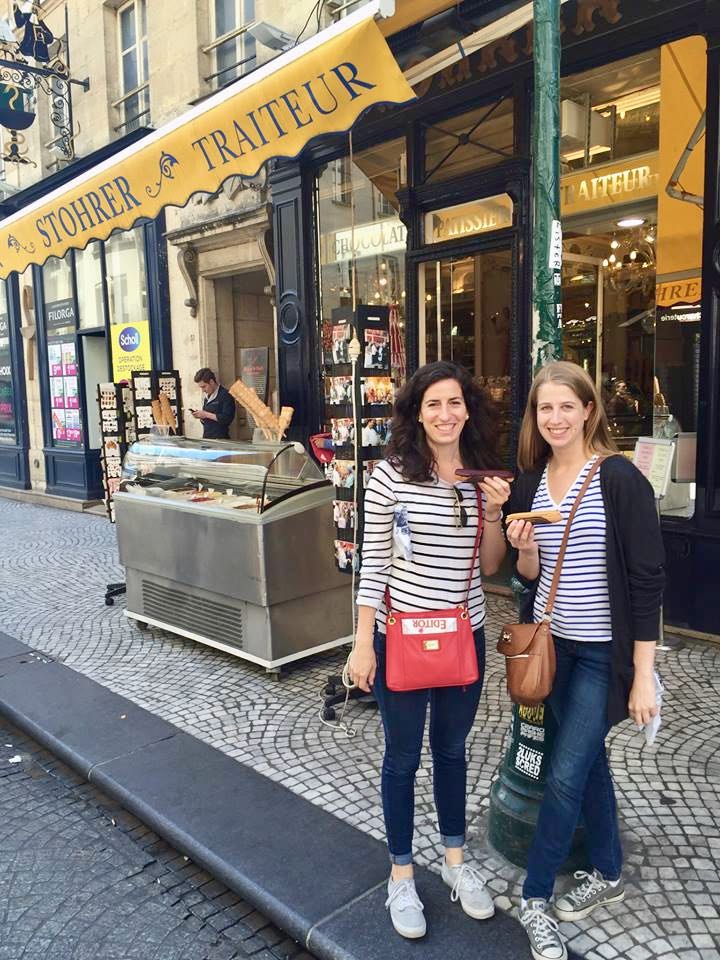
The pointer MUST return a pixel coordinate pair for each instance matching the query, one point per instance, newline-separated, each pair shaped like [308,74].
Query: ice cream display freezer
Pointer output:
[230,544]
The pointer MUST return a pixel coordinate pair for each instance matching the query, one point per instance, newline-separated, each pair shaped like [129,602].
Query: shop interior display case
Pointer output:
[227,543]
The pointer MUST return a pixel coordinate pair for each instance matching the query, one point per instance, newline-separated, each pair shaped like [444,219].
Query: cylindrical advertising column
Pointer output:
[517,793]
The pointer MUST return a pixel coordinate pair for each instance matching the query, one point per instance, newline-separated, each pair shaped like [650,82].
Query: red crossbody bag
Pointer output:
[433,648]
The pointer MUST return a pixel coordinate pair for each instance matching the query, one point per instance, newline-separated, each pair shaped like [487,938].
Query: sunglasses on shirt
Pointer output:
[459,512]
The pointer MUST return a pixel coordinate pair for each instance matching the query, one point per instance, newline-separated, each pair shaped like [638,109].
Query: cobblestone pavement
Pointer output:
[53,568]
[81,879]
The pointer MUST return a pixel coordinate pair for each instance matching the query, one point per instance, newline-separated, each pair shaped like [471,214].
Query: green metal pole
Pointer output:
[517,793]
[547,232]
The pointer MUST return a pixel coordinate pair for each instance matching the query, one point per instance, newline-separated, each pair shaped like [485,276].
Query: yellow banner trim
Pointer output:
[319,88]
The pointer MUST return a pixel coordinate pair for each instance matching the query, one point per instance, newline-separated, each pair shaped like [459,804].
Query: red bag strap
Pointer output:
[566,536]
[476,547]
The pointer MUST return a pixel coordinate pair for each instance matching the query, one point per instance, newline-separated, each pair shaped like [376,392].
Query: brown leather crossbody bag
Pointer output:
[528,648]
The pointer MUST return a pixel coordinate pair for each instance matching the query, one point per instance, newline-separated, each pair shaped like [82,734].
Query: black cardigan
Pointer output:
[635,558]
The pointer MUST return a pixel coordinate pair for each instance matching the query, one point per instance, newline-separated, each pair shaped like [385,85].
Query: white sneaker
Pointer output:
[406,909]
[545,940]
[468,886]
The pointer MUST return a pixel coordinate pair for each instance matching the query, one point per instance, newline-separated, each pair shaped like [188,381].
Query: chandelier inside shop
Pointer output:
[630,262]
[32,61]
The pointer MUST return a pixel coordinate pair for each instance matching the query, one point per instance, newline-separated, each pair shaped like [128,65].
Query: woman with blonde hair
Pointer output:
[605,623]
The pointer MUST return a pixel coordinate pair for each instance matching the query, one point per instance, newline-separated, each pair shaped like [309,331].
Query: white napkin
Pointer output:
[652,728]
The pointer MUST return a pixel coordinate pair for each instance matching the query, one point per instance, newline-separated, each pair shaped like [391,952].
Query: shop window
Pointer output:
[383,207]
[610,112]
[126,276]
[62,353]
[88,275]
[57,280]
[233,47]
[341,180]
[457,146]
[134,103]
[466,317]
[362,240]
[7,403]
[631,278]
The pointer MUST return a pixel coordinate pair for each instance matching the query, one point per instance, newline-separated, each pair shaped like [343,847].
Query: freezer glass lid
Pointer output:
[226,473]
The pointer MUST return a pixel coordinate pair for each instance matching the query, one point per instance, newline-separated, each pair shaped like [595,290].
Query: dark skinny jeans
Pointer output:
[452,712]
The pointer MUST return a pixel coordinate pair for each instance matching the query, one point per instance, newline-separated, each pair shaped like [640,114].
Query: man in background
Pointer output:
[218,409]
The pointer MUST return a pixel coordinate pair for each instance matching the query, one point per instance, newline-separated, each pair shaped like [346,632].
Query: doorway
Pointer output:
[466,317]
[246,339]
[582,302]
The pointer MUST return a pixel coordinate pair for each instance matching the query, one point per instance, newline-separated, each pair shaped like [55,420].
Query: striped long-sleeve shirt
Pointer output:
[582,604]
[436,576]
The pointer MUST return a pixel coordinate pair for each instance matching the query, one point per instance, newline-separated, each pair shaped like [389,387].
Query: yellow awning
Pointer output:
[320,87]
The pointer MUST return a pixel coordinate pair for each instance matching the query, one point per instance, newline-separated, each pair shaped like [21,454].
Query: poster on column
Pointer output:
[7,410]
[130,345]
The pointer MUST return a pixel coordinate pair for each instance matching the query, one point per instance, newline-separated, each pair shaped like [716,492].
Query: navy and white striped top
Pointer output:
[582,604]
[436,576]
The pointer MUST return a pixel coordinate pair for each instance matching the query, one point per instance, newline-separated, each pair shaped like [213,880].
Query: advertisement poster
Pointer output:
[58,425]
[7,411]
[57,393]
[55,359]
[70,385]
[69,358]
[130,346]
[73,429]
[254,365]
[527,754]
[62,360]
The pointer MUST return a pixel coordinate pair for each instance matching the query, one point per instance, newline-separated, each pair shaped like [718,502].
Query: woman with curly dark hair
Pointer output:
[420,529]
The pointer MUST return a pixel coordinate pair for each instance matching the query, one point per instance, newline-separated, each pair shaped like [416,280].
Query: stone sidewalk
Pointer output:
[82,879]
[53,569]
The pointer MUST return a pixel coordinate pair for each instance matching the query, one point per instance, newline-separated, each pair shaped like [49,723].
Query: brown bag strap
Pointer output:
[478,536]
[563,546]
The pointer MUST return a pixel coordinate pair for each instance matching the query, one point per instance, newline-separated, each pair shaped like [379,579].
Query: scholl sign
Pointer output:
[129,339]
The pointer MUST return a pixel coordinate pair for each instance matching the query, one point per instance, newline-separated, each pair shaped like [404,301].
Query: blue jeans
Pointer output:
[452,712]
[578,780]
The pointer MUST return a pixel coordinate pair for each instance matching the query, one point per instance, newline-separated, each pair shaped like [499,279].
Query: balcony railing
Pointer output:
[130,123]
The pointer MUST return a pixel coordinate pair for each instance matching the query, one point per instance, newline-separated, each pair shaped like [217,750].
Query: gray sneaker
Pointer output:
[545,941]
[406,909]
[468,886]
[591,891]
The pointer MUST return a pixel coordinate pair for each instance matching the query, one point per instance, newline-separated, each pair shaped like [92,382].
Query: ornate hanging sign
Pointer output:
[36,61]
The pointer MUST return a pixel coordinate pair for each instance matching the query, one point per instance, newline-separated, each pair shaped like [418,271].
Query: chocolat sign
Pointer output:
[320,87]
